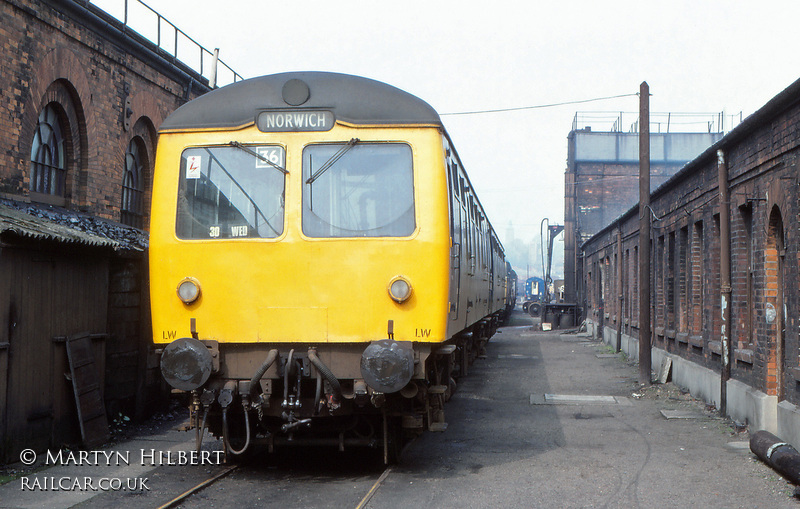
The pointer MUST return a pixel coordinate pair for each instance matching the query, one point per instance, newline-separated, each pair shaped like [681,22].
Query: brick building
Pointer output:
[81,98]
[758,161]
[602,176]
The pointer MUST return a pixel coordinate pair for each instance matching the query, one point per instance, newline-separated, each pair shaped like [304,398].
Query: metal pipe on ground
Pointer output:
[776,453]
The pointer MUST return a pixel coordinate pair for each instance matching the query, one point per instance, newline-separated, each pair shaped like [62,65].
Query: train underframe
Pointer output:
[292,398]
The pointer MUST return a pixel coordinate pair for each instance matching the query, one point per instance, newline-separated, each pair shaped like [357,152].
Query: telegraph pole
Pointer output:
[644,235]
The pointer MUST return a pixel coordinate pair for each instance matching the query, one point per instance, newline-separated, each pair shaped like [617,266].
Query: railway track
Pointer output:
[188,497]
[188,493]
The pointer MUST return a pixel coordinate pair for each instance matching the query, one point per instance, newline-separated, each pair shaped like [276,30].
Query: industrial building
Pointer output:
[602,176]
[81,99]
[724,288]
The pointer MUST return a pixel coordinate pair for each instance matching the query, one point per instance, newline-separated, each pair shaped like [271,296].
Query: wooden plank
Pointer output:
[86,387]
[664,372]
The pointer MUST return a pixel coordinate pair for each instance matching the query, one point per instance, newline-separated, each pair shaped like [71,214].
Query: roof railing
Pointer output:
[616,122]
[139,17]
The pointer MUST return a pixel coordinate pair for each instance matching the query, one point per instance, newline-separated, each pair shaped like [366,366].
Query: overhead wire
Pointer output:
[538,106]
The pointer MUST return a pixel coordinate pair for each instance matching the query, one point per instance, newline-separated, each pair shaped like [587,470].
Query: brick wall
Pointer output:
[97,77]
[763,180]
[48,56]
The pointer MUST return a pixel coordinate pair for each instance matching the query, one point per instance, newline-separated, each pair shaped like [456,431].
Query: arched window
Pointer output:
[132,210]
[48,153]
[775,305]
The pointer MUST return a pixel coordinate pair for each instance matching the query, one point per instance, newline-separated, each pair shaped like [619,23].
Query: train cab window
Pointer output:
[231,192]
[358,190]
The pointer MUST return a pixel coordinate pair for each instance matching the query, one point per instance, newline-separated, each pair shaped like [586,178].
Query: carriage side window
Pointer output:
[358,190]
[231,192]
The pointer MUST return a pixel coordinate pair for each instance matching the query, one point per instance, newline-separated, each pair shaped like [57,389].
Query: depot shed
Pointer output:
[65,277]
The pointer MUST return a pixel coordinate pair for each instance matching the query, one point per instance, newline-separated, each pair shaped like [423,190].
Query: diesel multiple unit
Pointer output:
[321,268]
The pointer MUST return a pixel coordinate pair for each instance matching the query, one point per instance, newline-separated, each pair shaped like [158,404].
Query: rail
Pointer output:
[616,122]
[148,23]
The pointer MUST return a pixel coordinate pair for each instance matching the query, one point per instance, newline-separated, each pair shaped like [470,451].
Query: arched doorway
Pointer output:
[775,312]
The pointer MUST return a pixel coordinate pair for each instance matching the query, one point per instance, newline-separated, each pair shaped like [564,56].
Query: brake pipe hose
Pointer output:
[225,439]
[271,356]
[202,431]
[327,373]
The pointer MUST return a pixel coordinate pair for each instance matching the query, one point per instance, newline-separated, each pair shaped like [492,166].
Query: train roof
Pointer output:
[352,99]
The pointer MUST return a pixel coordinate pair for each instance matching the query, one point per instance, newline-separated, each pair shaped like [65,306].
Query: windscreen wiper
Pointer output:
[249,198]
[330,162]
[255,154]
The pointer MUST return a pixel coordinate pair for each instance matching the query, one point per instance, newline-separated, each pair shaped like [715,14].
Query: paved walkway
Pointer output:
[546,420]
[66,478]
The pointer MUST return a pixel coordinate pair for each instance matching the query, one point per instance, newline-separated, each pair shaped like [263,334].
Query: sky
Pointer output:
[468,55]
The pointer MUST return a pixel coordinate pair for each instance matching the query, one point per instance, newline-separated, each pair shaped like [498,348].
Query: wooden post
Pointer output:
[644,235]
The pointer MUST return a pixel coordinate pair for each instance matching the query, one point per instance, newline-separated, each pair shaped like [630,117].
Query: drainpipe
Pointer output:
[620,292]
[724,278]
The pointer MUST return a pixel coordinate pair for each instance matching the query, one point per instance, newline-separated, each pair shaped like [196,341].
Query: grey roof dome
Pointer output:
[352,99]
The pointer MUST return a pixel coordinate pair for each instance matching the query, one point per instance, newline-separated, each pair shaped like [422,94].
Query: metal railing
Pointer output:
[139,17]
[617,122]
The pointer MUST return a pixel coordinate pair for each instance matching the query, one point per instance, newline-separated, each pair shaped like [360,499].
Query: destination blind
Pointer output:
[279,121]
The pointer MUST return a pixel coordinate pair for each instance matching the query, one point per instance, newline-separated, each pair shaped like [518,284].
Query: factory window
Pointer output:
[774,307]
[714,326]
[746,341]
[587,283]
[698,249]
[683,264]
[670,282]
[49,154]
[626,278]
[598,288]
[132,210]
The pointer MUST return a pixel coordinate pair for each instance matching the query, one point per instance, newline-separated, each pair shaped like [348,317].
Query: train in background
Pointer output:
[511,291]
[321,269]
[534,295]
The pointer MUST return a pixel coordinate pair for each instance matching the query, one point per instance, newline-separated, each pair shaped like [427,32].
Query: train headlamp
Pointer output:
[188,290]
[387,365]
[399,289]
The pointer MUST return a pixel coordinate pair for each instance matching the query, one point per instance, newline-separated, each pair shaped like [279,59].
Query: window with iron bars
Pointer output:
[48,154]
[132,212]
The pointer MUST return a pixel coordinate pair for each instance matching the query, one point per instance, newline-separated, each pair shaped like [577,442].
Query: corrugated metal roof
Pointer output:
[60,225]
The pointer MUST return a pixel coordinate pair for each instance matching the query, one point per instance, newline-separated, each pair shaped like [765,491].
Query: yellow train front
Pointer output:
[321,269]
